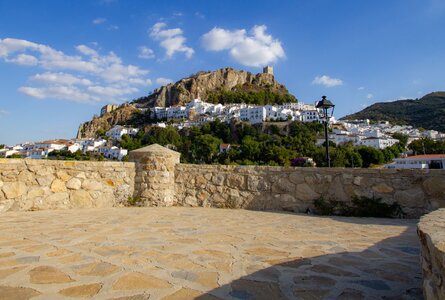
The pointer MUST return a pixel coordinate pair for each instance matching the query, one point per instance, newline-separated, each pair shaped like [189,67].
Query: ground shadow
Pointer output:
[390,269]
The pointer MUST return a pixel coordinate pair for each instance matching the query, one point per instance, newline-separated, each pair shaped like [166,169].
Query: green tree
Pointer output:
[370,156]
[250,149]
[206,147]
[403,138]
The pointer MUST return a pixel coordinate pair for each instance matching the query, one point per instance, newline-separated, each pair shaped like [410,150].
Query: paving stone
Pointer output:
[290,262]
[134,280]
[325,269]
[96,269]
[48,275]
[17,293]
[6,272]
[311,294]
[378,285]
[144,296]
[6,254]
[141,253]
[262,251]
[248,289]
[189,294]
[351,294]
[313,280]
[82,291]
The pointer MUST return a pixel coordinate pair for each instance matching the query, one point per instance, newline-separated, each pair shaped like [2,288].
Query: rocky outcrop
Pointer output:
[202,84]
[104,123]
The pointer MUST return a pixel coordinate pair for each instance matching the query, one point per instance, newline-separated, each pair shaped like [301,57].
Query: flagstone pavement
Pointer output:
[202,253]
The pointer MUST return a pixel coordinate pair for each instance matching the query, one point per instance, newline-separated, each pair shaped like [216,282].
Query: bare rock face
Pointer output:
[105,122]
[203,83]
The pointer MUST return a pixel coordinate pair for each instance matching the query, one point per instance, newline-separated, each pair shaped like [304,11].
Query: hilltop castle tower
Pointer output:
[268,70]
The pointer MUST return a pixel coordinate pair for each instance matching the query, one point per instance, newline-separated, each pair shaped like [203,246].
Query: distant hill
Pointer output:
[223,86]
[427,112]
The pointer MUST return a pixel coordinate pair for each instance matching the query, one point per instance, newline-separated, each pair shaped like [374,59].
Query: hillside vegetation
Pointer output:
[427,112]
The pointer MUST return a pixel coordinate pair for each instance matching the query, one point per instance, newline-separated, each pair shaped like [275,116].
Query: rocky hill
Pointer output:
[427,112]
[221,86]
[211,83]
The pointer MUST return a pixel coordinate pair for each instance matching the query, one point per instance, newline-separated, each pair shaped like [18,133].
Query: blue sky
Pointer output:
[60,61]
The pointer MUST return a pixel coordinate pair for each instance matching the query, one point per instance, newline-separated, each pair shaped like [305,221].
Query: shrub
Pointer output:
[359,207]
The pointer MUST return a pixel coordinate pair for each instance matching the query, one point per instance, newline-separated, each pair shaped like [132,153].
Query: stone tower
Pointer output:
[268,70]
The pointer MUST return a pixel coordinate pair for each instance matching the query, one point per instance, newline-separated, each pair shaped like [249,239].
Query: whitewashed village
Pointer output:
[197,112]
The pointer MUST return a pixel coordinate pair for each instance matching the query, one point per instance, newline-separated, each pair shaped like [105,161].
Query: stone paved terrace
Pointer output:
[202,253]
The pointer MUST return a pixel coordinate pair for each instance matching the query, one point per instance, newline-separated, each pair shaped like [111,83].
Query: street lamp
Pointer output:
[323,108]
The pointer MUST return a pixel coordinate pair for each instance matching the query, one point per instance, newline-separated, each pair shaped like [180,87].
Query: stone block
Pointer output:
[14,189]
[435,186]
[81,199]
[305,193]
[92,185]
[45,180]
[58,186]
[382,188]
[218,179]
[413,198]
[57,200]
[235,181]
[74,184]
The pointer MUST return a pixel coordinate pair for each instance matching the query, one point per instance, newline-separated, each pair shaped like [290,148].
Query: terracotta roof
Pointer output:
[426,156]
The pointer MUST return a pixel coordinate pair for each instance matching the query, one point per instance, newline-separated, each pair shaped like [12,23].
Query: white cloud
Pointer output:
[369,96]
[327,81]
[85,50]
[254,49]
[60,78]
[163,81]
[68,77]
[4,112]
[172,40]
[98,21]
[60,92]
[361,88]
[24,60]
[112,91]
[145,53]
[113,27]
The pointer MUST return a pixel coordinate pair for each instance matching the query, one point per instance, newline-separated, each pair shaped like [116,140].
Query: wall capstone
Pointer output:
[431,231]
[155,175]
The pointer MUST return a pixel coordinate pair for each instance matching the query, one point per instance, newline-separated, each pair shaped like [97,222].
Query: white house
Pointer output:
[52,144]
[39,153]
[176,112]
[428,161]
[309,115]
[118,131]
[73,147]
[378,142]
[253,114]
[113,152]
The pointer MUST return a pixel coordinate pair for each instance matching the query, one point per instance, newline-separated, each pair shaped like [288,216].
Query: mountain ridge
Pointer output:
[427,112]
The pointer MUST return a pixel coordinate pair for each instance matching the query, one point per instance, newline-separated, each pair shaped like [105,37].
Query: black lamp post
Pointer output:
[323,108]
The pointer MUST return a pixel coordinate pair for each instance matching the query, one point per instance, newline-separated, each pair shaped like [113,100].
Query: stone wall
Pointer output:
[431,231]
[295,189]
[47,184]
